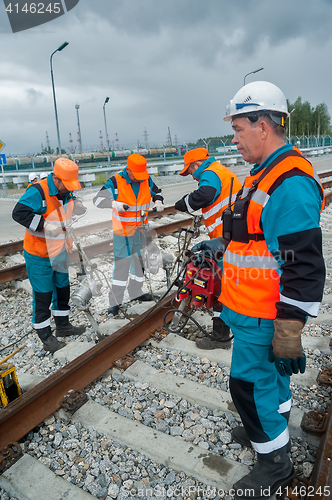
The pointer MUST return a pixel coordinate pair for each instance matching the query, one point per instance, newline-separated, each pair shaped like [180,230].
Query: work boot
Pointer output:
[66,329]
[219,339]
[146,297]
[113,311]
[52,344]
[239,434]
[272,471]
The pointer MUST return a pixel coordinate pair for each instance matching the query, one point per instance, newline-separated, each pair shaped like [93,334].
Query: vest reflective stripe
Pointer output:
[38,234]
[260,197]
[138,207]
[119,217]
[250,282]
[213,213]
[35,242]
[125,223]
[250,261]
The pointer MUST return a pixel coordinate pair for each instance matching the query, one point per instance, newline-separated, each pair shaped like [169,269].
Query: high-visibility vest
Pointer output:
[212,214]
[250,281]
[125,223]
[35,242]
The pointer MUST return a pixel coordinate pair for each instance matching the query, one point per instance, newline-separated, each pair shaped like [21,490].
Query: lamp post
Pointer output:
[77,107]
[251,73]
[107,140]
[55,108]
[289,125]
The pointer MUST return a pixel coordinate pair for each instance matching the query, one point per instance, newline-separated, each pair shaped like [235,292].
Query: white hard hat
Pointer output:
[257,97]
[32,176]
[43,175]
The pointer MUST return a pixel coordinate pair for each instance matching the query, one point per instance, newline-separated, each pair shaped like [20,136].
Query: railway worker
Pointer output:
[273,279]
[43,175]
[42,210]
[128,193]
[212,196]
[33,178]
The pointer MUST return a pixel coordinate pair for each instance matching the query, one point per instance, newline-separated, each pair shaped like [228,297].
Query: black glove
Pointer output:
[181,205]
[211,249]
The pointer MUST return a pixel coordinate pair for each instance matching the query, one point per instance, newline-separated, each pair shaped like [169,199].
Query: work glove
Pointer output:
[51,229]
[210,249]
[158,206]
[181,205]
[79,208]
[286,350]
[119,206]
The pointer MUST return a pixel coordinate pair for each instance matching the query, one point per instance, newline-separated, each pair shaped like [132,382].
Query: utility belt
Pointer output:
[235,225]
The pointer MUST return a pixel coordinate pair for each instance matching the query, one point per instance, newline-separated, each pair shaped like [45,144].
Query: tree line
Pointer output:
[307,120]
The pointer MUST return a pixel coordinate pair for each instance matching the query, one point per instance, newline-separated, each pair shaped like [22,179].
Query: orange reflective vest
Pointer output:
[250,281]
[35,242]
[213,213]
[125,223]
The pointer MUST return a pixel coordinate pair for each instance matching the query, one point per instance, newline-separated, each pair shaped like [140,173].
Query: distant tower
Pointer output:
[169,138]
[79,137]
[101,141]
[145,135]
[48,142]
[116,142]
[71,147]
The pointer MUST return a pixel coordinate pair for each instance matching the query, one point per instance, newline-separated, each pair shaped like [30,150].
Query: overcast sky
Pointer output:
[173,63]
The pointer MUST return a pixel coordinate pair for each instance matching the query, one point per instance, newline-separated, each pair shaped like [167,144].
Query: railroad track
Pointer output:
[205,465]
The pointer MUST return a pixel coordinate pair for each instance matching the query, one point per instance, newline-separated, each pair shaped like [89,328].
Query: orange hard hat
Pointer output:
[137,164]
[67,171]
[192,156]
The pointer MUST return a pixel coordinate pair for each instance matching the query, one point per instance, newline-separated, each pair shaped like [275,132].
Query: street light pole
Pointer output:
[55,108]
[77,107]
[107,140]
[289,125]
[251,73]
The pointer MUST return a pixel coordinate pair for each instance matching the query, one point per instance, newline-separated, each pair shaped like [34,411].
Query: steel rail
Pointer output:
[24,413]
[321,478]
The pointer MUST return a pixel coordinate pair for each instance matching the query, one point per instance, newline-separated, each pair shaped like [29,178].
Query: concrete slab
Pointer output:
[173,341]
[193,392]
[223,356]
[320,343]
[72,350]
[28,381]
[112,325]
[140,308]
[179,455]
[24,285]
[29,479]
